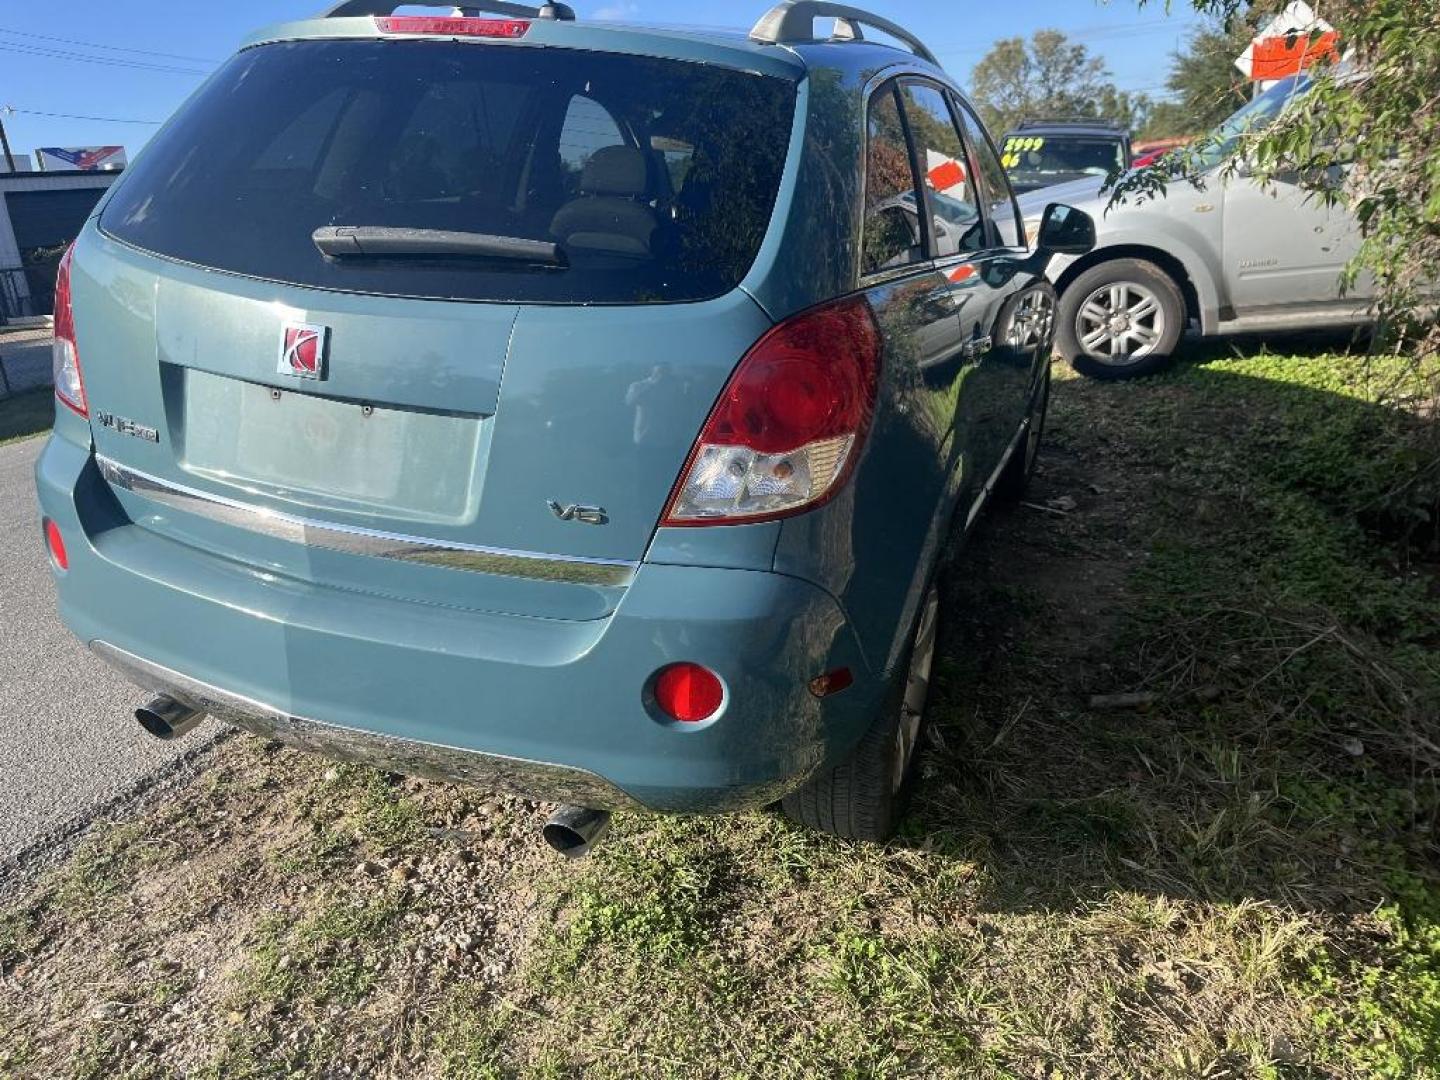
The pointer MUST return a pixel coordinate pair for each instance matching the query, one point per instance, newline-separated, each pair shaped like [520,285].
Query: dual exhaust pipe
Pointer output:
[573,831]
[167,719]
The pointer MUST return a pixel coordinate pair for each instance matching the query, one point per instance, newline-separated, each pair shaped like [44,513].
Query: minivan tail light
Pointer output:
[452,27]
[786,433]
[65,356]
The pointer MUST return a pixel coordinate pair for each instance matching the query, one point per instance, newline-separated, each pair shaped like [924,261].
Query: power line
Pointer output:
[107,48]
[105,61]
[76,116]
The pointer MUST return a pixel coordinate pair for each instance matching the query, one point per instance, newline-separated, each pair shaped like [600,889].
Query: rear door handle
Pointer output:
[975,348]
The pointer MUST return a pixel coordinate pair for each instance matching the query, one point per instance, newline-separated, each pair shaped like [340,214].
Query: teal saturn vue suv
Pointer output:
[574,410]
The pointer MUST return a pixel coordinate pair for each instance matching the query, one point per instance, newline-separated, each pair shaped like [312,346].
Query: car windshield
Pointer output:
[1062,155]
[647,180]
[1259,114]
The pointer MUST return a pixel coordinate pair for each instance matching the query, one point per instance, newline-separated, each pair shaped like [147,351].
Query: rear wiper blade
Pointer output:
[377,241]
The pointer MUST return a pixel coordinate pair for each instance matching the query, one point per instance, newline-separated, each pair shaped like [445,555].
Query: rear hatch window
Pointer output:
[640,179]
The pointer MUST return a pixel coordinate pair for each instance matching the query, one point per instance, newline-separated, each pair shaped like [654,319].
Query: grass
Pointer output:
[1237,880]
[26,414]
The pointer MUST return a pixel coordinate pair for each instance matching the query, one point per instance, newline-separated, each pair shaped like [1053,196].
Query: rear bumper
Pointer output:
[444,763]
[549,708]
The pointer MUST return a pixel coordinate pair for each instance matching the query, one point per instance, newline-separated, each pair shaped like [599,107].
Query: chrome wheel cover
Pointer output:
[1120,323]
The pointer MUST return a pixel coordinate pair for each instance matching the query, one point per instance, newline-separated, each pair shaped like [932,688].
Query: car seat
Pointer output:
[611,214]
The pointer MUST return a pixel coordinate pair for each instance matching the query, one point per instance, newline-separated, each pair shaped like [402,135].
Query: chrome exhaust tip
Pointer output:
[574,831]
[168,719]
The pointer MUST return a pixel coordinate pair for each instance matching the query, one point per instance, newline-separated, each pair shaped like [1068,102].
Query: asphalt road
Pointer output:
[24,361]
[69,745]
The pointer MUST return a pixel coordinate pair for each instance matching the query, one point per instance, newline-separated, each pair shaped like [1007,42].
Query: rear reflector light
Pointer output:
[65,357]
[55,543]
[689,693]
[833,683]
[788,429]
[452,27]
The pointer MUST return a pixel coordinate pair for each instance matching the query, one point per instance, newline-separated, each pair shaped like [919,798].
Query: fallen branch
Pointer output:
[1123,701]
[1144,700]
[1045,509]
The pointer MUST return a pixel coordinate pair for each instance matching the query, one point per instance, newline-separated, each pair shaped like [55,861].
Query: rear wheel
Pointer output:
[864,797]
[1015,479]
[1121,320]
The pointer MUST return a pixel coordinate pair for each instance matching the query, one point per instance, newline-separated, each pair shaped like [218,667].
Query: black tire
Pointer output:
[1143,278]
[860,799]
[1015,480]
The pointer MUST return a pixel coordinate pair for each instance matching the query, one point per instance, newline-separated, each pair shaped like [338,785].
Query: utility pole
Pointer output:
[5,145]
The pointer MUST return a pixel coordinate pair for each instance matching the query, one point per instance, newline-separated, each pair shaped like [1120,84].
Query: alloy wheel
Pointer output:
[1120,323]
[1033,324]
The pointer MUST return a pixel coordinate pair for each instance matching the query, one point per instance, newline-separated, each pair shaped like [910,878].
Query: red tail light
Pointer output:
[69,381]
[689,693]
[452,27]
[787,431]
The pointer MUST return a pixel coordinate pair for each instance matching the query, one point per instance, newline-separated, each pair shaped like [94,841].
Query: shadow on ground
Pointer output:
[26,414]
[1236,880]
[1251,550]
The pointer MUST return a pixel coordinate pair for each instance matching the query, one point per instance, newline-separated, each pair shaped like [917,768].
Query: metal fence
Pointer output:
[24,350]
[14,295]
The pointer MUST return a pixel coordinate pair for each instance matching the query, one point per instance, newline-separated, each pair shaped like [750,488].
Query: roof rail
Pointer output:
[1089,121]
[348,8]
[794,21]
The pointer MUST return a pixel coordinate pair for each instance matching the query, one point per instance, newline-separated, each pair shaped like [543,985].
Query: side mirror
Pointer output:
[1066,231]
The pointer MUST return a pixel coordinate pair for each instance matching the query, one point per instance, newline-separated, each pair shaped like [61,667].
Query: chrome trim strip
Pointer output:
[357,541]
[429,761]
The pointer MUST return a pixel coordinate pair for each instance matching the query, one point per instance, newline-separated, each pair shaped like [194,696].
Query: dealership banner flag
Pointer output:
[1288,44]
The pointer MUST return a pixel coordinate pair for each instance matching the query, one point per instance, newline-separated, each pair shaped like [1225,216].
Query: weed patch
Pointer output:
[1232,873]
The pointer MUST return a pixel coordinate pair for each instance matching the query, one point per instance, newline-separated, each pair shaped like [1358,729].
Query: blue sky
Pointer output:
[41,46]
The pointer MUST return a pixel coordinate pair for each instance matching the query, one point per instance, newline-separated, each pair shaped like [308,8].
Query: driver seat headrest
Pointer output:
[618,171]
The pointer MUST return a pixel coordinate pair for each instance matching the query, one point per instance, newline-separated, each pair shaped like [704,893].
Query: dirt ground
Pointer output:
[1236,878]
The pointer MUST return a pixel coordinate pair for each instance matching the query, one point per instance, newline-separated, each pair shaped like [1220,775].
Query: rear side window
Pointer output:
[893,235]
[956,222]
[994,184]
[656,177]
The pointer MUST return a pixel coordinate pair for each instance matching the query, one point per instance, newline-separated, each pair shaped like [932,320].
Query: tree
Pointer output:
[1205,83]
[1048,77]
[1169,120]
